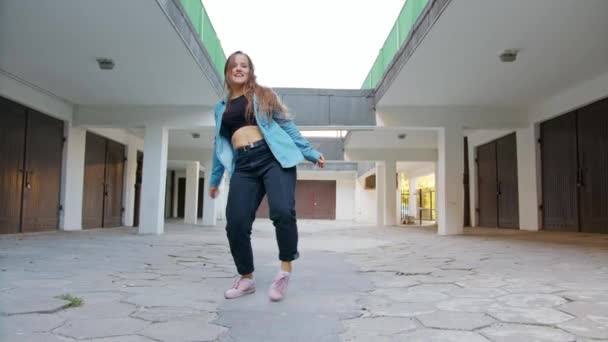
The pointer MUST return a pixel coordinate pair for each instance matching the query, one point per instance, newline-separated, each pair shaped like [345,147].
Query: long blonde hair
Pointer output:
[268,101]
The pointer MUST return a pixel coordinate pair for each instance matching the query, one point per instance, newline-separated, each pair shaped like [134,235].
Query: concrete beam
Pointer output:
[423,25]
[138,116]
[183,26]
[314,108]
[399,154]
[30,95]
[446,116]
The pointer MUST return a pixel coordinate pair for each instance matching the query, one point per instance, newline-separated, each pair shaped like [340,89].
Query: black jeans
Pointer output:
[256,173]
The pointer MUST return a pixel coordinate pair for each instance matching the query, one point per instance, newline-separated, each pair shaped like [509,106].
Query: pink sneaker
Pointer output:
[242,286]
[278,289]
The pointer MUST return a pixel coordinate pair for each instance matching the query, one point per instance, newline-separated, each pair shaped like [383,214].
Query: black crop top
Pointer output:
[234,117]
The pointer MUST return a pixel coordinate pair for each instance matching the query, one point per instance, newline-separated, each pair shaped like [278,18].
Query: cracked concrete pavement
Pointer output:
[353,283]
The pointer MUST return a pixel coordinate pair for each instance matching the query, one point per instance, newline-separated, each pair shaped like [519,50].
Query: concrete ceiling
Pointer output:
[54,45]
[184,139]
[562,43]
[388,138]
[416,169]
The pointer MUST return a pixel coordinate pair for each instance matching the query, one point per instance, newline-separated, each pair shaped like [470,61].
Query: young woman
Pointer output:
[260,147]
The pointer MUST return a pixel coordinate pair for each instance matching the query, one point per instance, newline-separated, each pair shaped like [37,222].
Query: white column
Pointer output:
[130,181]
[527,179]
[449,190]
[380,192]
[192,175]
[209,211]
[413,197]
[390,187]
[72,182]
[175,193]
[154,176]
[472,183]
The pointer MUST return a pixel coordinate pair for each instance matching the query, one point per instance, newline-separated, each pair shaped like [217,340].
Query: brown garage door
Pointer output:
[103,182]
[498,200]
[115,168]
[593,167]
[559,173]
[31,146]
[42,173]
[315,199]
[506,169]
[487,189]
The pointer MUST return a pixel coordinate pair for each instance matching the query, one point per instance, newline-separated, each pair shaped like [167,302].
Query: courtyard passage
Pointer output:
[353,282]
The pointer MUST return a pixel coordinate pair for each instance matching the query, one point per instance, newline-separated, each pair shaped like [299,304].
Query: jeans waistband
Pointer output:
[252,146]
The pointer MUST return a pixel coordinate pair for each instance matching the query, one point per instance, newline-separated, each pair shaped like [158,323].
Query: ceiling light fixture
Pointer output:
[508,56]
[105,63]
[401,136]
[195,135]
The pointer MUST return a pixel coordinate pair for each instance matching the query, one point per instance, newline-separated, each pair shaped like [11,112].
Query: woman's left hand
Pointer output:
[321,161]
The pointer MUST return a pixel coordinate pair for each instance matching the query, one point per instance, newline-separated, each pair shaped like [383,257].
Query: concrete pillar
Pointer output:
[413,197]
[390,205]
[130,175]
[380,192]
[527,178]
[449,190]
[209,211]
[72,181]
[154,175]
[192,175]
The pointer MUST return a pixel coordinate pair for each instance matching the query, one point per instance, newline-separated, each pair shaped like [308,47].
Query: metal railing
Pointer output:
[396,38]
[204,28]
[423,197]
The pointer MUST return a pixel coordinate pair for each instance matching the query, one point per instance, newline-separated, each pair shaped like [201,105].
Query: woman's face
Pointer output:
[239,74]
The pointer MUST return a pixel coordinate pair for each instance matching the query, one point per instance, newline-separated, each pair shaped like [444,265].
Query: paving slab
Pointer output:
[184,331]
[531,333]
[453,320]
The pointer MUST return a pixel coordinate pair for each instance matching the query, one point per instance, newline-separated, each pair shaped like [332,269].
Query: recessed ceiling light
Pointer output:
[508,56]
[401,136]
[195,135]
[105,63]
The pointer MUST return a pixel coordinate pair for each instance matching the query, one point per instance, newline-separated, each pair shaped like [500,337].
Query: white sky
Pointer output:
[306,43]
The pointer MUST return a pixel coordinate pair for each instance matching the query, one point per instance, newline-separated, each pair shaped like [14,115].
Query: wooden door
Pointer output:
[41,193]
[181,197]
[201,197]
[138,181]
[323,198]
[315,199]
[559,173]
[114,180]
[506,169]
[593,167]
[487,189]
[94,179]
[12,150]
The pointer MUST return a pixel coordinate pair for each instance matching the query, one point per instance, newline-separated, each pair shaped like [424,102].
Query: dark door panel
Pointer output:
[94,175]
[201,197]
[114,180]
[487,189]
[506,168]
[593,167]
[181,197]
[559,173]
[42,188]
[12,150]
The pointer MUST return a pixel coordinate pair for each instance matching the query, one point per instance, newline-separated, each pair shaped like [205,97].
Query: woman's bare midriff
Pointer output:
[246,135]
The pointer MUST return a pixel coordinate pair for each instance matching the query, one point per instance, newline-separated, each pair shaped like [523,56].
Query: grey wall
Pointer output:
[329,107]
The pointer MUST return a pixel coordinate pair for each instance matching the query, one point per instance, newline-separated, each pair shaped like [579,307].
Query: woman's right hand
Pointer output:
[214,191]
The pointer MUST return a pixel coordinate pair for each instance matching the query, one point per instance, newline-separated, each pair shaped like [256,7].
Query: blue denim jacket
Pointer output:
[281,134]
